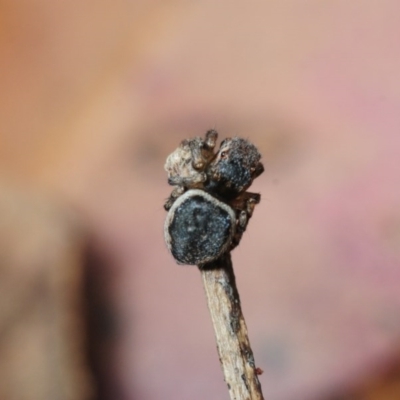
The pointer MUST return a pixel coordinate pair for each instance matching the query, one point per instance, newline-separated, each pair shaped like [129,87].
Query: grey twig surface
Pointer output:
[235,354]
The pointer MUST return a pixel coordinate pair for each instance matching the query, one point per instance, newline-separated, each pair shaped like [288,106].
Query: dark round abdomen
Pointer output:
[201,229]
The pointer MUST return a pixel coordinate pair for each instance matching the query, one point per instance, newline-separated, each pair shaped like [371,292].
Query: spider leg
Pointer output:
[211,138]
[258,170]
[179,190]
[244,206]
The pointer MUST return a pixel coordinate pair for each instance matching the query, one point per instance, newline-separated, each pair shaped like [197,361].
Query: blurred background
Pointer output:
[93,97]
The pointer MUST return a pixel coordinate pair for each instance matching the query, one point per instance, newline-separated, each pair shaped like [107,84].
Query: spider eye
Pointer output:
[205,149]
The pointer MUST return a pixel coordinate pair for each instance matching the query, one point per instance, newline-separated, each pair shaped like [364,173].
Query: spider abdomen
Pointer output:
[199,228]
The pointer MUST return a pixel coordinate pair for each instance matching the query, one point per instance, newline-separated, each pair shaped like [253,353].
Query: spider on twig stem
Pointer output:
[208,211]
[209,208]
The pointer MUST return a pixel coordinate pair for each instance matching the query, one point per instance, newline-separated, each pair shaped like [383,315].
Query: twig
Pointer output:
[235,354]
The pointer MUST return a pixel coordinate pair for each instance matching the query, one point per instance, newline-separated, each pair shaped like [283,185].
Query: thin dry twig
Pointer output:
[235,354]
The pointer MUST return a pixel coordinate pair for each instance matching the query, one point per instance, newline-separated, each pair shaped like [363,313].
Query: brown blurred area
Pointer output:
[95,94]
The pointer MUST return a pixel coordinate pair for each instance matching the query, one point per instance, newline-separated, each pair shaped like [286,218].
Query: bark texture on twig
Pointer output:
[235,354]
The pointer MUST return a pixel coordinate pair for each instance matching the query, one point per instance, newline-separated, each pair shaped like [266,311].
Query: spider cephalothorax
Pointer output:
[209,208]
[186,166]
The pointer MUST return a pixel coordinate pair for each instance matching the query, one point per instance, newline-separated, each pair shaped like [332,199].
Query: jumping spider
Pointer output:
[209,208]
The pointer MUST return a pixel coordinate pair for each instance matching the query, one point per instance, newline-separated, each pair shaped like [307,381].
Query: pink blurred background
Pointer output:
[94,96]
